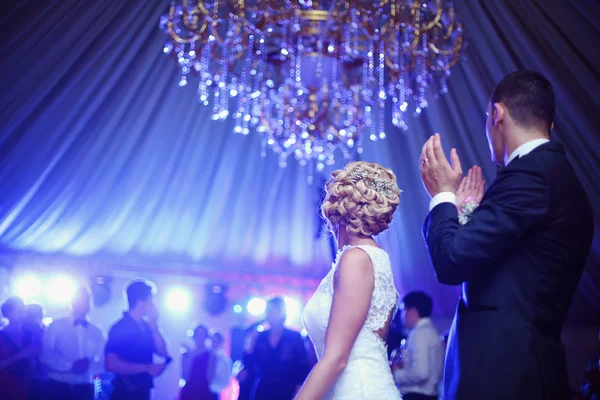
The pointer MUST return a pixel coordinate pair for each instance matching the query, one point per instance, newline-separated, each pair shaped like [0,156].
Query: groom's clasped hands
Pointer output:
[442,176]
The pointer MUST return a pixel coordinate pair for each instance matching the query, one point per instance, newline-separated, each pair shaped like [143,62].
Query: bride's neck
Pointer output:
[347,239]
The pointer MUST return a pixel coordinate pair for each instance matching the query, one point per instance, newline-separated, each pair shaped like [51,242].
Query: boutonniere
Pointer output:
[466,209]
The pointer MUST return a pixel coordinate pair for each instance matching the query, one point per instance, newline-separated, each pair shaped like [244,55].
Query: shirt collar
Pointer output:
[525,149]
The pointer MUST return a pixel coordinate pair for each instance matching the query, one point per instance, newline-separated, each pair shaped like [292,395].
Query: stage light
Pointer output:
[61,290]
[100,287]
[238,309]
[215,299]
[260,328]
[256,306]
[292,308]
[178,299]
[28,287]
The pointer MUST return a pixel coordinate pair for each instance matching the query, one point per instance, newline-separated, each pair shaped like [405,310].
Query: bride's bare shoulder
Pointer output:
[355,262]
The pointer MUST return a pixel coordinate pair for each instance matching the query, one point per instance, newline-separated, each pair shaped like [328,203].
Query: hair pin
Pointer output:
[382,186]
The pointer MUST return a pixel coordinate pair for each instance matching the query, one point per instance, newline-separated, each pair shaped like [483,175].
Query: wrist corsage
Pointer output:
[467,208]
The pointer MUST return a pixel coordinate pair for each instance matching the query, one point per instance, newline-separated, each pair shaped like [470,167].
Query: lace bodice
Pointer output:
[385,297]
[367,371]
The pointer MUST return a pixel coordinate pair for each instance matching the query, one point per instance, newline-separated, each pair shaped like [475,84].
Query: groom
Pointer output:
[518,258]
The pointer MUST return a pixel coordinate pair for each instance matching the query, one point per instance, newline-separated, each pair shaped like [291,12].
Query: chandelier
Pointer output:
[313,77]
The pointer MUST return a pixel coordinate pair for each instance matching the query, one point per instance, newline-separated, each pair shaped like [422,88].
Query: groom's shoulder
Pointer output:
[548,167]
[549,152]
[551,164]
[553,160]
[545,159]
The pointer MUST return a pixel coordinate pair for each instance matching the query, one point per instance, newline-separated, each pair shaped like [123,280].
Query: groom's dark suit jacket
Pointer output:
[519,260]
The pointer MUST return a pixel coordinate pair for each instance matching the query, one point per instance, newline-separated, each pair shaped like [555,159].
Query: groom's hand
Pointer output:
[471,187]
[436,172]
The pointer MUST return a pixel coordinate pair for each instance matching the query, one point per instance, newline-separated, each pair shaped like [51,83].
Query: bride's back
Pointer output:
[383,306]
[368,358]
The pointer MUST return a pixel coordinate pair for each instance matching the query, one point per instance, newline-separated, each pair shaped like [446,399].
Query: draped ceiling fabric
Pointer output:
[103,155]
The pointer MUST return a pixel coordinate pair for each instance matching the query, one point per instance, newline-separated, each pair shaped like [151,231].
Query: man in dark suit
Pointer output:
[520,255]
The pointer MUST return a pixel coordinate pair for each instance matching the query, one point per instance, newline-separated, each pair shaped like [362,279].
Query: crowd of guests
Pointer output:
[61,361]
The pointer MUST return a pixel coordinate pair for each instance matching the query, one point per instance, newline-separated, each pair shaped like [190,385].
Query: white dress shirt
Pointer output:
[423,362]
[223,366]
[449,197]
[66,342]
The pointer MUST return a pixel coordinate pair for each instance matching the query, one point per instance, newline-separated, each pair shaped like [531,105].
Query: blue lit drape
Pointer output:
[102,154]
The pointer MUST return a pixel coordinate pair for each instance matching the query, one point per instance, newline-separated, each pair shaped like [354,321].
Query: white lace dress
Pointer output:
[367,375]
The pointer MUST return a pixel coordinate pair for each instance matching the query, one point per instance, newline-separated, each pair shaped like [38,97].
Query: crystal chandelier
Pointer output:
[313,77]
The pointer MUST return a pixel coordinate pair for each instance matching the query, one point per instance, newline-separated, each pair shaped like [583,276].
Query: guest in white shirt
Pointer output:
[420,372]
[223,365]
[73,352]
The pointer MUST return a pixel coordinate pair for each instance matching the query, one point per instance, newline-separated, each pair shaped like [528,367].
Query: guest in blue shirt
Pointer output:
[132,343]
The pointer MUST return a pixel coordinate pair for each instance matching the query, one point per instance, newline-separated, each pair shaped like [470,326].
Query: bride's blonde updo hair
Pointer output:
[363,196]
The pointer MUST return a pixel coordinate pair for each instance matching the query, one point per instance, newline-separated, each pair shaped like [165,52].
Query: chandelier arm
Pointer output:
[198,8]
[438,14]
[451,24]
[179,39]
[170,27]
[448,32]
[408,51]
[454,50]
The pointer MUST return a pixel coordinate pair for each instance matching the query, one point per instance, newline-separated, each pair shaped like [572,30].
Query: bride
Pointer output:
[349,315]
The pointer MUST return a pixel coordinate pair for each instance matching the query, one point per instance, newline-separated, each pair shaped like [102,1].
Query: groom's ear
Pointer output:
[498,113]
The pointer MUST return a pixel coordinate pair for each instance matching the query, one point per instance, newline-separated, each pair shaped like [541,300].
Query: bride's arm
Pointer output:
[354,283]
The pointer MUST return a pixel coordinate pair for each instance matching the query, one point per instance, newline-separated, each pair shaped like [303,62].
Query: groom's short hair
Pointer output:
[529,97]
[420,301]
